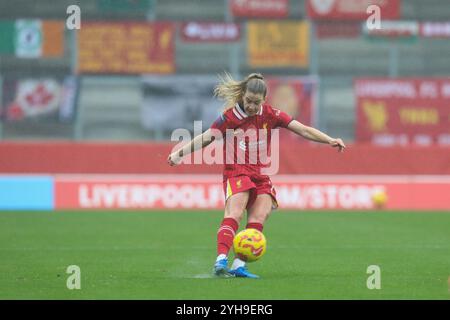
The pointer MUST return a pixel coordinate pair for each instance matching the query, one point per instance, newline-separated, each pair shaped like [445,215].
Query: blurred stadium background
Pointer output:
[87,117]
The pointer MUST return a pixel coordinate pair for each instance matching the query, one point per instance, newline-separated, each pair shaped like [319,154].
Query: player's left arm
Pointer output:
[315,135]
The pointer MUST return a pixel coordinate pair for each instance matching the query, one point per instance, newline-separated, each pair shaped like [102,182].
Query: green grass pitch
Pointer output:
[169,255]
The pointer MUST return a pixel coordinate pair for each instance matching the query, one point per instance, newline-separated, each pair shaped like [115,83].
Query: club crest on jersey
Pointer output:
[238,183]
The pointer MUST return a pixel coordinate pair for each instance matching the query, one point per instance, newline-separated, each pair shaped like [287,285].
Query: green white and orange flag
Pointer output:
[32,38]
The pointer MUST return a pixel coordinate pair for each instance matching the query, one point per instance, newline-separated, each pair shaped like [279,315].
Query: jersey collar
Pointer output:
[260,111]
[240,114]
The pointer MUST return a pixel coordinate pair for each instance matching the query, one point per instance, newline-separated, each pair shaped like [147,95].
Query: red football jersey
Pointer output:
[246,147]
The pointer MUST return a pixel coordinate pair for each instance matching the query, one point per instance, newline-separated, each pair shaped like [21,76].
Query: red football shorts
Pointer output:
[255,184]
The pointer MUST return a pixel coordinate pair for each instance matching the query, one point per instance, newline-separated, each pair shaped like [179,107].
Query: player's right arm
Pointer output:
[195,144]
[216,132]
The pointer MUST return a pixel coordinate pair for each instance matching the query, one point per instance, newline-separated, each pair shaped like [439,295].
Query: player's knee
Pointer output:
[235,214]
[259,217]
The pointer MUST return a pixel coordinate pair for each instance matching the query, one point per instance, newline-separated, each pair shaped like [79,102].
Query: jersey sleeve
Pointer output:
[282,119]
[221,123]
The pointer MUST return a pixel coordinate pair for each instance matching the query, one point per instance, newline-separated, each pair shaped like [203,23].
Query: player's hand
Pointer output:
[174,159]
[338,143]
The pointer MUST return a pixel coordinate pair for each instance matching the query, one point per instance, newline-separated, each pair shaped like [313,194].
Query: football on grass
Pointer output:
[249,245]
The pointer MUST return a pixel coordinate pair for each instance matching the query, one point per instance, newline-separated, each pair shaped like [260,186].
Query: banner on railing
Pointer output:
[48,99]
[260,8]
[126,47]
[393,29]
[210,32]
[351,9]
[32,38]
[403,111]
[278,44]
[408,29]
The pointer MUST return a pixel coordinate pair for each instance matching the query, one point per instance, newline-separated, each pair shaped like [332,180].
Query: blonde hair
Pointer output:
[232,91]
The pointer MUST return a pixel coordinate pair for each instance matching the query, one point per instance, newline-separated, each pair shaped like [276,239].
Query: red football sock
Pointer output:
[225,235]
[255,225]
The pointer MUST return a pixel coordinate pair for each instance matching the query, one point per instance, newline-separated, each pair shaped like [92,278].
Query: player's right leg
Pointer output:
[234,209]
[257,215]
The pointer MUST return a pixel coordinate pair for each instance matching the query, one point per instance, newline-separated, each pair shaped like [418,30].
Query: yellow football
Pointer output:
[249,245]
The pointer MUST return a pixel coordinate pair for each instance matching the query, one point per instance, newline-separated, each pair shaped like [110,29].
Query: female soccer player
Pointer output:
[245,187]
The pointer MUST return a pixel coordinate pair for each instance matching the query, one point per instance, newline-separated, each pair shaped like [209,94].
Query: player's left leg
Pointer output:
[256,217]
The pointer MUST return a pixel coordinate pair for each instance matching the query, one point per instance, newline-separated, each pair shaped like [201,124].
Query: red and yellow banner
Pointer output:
[403,111]
[278,44]
[122,47]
